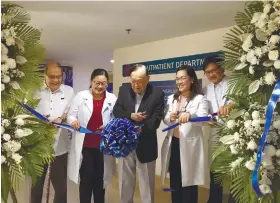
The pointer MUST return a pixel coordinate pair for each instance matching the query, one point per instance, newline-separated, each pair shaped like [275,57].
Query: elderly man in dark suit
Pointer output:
[144,104]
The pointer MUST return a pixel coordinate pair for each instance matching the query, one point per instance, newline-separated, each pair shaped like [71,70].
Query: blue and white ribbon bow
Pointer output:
[269,115]
[197,119]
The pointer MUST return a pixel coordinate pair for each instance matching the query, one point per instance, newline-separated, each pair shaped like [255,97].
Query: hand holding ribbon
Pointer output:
[197,119]
[61,125]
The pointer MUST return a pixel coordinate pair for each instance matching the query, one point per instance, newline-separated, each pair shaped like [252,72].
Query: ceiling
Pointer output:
[91,30]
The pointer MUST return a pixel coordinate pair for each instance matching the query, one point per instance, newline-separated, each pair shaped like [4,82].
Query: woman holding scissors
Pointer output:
[183,152]
[91,108]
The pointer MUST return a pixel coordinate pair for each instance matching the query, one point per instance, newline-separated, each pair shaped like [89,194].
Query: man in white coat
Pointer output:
[54,104]
[215,93]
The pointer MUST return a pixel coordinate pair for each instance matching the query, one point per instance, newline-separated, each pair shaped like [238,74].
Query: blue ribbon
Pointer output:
[197,119]
[269,115]
[62,125]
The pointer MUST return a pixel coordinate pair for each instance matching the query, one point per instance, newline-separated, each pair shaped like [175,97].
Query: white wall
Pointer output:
[198,43]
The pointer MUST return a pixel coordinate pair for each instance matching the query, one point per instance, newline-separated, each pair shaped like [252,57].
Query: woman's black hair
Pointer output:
[97,72]
[195,85]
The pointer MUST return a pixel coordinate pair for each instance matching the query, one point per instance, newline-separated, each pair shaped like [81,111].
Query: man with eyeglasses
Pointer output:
[54,103]
[215,93]
[144,104]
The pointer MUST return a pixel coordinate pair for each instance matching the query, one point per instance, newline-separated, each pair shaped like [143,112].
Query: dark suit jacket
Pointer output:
[153,104]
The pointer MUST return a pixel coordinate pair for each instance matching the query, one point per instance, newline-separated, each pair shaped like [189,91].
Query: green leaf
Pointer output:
[5,183]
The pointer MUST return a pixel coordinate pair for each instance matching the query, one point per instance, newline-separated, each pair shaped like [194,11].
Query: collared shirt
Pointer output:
[138,100]
[215,94]
[54,105]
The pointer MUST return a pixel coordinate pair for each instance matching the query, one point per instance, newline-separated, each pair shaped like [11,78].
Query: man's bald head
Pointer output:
[52,64]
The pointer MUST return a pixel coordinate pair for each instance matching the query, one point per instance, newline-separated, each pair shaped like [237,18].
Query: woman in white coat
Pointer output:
[91,109]
[183,149]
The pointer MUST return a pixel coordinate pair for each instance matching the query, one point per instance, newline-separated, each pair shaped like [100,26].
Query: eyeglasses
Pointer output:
[103,84]
[53,77]
[139,82]
[211,72]
[182,78]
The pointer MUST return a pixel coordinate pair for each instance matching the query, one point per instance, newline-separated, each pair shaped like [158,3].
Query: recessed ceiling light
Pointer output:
[112,61]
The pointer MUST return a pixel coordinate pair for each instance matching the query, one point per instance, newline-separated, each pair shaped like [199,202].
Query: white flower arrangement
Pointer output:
[247,128]
[10,67]
[266,51]
[12,135]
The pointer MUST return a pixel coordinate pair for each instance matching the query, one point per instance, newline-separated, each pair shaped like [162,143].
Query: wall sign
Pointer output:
[171,64]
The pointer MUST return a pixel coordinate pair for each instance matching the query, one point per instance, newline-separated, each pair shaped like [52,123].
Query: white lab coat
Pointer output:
[194,163]
[81,110]
[214,105]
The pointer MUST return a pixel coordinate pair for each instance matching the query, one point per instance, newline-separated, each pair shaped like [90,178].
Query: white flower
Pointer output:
[236,136]
[6,123]
[4,68]
[19,133]
[3,159]
[233,149]
[251,70]
[247,43]
[2,87]
[4,49]
[272,26]
[265,189]
[269,78]
[23,132]
[273,55]
[10,41]
[270,150]
[247,123]
[6,79]
[250,55]
[274,39]
[2,130]
[256,115]
[243,58]
[11,63]
[267,163]
[5,33]
[276,124]
[19,122]
[256,17]
[250,165]
[252,145]
[258,52]
[277,153]
[6,137]
[236,163]
[15,85]
[16,157]
[256,123]
[249,131]
[21,60]
[267,8]
[231,124]
[277,64]
[11,146]
[261,23]
[20,74]
[265,49]
[4,58]
[254,61]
